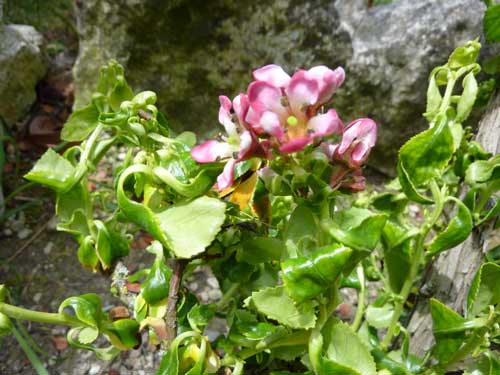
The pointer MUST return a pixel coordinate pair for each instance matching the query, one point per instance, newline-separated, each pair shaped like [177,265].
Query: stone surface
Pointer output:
[191,51]
[21,66]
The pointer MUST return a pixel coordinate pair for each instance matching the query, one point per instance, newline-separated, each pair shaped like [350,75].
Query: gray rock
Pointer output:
[190,52]
[21,66]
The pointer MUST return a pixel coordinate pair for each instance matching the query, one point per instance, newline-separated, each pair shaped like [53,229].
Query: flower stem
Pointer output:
[227,296]
[417,258]
[178,266]
[361,299]
[15,312]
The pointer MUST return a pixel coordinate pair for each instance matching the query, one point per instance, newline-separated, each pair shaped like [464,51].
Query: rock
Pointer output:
[21,67]
[24,233]
[190,52]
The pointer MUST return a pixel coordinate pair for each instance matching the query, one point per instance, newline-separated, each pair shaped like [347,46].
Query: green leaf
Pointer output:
[80,124]
[455,233]
[106,354]
[276,304]
[86,253]
[491,23]
[487,364]
[186,229]
[88,335]
[425,155]
[260,250]
[484,290]
[123,333]
[301,226]
[54,171]
[200,315]
[379,317]
[87,308]
[191,227]
[434,99]
[482,171]
[468,97]
[463,56]
[445,320]
[120,93]
[169,364]
[345,352]
[357,228]
[308,276]
[409,188]
[196,186]
[156,286]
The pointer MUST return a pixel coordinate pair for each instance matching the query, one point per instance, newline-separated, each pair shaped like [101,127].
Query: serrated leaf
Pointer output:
[80,124]
[484,290]
[379,317]
[345,352]
[409,188]
[276,304]
[260,250]
[433,99]
[308,276]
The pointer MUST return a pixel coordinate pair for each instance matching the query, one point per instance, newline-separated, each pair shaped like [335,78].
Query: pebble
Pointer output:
[94,369]
[214,294]
[121,156]
[212,282]
[37,297]
[7,232]
[24,233]
[48,248]
[193,286]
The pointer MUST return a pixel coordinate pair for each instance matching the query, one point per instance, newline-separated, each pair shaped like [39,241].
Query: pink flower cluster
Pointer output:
[285,114]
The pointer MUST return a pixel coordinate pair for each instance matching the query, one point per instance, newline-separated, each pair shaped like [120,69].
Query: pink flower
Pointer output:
[287,108]
[239,144]
[357,140]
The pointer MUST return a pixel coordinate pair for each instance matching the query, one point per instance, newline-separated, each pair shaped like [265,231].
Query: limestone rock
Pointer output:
[21,66]
[190,52]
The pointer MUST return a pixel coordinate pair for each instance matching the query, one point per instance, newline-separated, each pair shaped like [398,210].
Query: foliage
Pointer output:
[271,208]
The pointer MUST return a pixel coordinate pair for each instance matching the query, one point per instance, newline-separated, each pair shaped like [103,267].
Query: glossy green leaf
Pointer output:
[88,335]
[492,23]
[276,304]
[87,255]
[120,93]
[425,155]
[184,228]
[5,325]
[308,276]
[54,171]
[301,226]
[444,321]
[106,354]
[123,333]
[379,317]
[463,56]
[156,286]
[195,187]
[455,233]
[356,227]
[192,226]
[260,250]
[487,364]
[468,97]
[409,188]
[484,290]
[169,364]
[482,171]
[87,308]
[80,124]
[345,352]
[200,315]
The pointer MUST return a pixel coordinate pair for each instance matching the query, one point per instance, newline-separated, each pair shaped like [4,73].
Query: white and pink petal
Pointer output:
[272,74]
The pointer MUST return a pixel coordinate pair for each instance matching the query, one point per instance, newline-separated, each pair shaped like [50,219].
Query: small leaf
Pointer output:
[482,171]
[484,290]
[468,98]
[379,317]
[200,315]
[276,304]
[433,99]
[301,225]
[491,23]
[409,188]
[169,364]
[54,171]
[260,250]
[463,56]
[345,352]
[425,155]
[156,286]
[88,335]
[308,276]
[87,308]
[80,124]
[123,333]
[455,233]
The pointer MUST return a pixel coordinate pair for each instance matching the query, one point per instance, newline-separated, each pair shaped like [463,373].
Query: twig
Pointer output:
[38,232]
[178,266]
